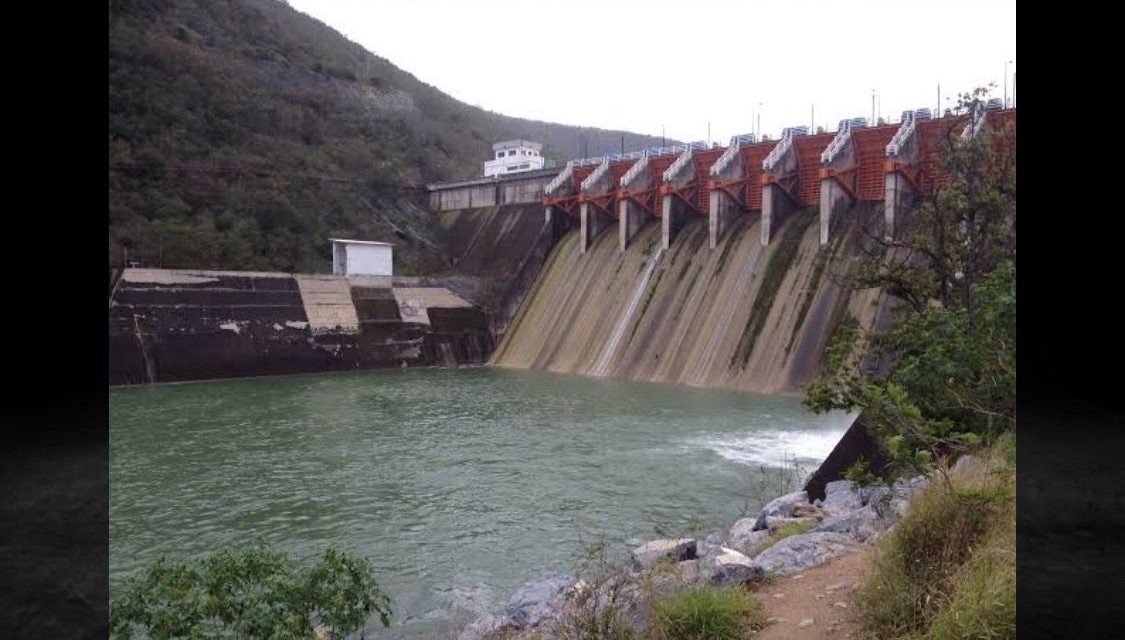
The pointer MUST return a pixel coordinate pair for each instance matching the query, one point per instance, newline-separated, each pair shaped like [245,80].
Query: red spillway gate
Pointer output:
[694,193]
[648,198]
[568,201]
[607,202]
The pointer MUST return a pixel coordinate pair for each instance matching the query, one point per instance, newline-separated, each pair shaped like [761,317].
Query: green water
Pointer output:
[458,484]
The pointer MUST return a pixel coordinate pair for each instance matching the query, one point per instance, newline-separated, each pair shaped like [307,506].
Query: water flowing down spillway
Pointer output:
[741,316]
[626,317]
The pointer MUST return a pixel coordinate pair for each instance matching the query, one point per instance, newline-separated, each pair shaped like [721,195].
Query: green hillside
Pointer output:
[243,133]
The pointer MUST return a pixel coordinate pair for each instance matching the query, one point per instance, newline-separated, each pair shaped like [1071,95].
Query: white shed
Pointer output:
[362,258]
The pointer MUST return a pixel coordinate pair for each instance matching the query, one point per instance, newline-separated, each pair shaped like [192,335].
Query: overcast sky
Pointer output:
[644,65]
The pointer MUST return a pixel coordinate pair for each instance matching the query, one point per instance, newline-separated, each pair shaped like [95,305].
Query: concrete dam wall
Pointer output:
[169,325]
[741,316]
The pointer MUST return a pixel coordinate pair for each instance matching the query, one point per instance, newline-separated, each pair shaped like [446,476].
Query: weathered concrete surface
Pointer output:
[776,207]
[169,325]
[328,303]
[592,222]
[631,218]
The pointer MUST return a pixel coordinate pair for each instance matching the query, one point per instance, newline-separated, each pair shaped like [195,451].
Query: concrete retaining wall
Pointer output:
[170,325]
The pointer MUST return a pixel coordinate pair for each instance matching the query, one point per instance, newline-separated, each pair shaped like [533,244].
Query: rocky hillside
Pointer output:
[243,133]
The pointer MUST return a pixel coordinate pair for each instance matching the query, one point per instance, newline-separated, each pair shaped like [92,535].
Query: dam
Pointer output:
[691,289]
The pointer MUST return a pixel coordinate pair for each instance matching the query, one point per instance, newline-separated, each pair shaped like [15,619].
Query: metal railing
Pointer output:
[678,166]
[843,137]
[783,146]
[731,153]
[905,130]
[595,175]
[560,179]
[636,169]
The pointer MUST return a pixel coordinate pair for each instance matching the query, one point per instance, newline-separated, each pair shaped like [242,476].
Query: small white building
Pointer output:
[362,258]
[513,156]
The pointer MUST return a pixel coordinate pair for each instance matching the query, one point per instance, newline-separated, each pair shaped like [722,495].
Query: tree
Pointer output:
[951,346]
[250,593]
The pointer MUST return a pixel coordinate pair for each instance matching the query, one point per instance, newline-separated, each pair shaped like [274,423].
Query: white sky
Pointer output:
[640,65]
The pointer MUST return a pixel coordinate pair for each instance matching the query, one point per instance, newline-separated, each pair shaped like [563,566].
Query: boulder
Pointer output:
[487,627]
[538,599]
[731,567]
[745,539]
[649,553]
[781,506]
[860,524]
[841,496]
[803,551]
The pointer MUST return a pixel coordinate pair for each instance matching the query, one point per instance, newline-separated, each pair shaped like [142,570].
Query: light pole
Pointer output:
[1006,63]
[873,105]
[759,134]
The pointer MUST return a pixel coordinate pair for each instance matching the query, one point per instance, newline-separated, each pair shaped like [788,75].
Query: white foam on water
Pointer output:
[774,447]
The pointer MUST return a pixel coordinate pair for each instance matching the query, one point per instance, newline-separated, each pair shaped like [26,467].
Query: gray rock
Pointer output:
[689,570]
[747,541]
[962,463]
[731,567]
[860,524]
[538,599]
[781,506]
[803,551]
[486,627]
[841,496]
[652,551]
[713,540]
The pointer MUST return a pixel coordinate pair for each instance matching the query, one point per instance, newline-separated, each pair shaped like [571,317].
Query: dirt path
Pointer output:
[823,594]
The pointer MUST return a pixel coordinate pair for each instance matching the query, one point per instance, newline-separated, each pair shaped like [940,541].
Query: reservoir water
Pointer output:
[458,484]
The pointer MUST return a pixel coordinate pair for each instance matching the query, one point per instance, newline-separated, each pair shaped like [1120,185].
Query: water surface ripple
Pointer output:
[458,484]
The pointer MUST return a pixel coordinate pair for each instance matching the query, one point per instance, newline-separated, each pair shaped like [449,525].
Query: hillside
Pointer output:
[243,133]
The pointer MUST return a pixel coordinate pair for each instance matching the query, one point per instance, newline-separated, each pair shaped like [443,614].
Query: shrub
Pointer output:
[948,570]
[860,473]
[256,592]
[706,613]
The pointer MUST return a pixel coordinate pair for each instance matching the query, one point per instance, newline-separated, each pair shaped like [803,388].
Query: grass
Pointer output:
[948,570]
[779,263]
[791,529]
[706,613]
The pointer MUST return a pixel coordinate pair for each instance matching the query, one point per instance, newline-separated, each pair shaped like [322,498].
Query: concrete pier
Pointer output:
[898,199]
[777,205]
[592,221]
[631,218]
[674,215]
[834,201]
[724,211]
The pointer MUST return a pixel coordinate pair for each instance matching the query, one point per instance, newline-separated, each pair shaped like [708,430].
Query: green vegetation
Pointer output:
[257,592]
[948,569]
[707,613]
[860,473]
[790,529]
[952,344]
[243,133]
[778,266]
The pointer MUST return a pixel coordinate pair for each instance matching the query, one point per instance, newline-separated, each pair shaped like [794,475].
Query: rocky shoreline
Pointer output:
[788,535]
